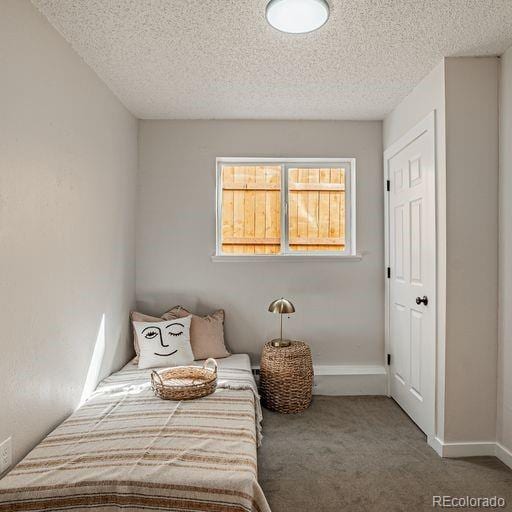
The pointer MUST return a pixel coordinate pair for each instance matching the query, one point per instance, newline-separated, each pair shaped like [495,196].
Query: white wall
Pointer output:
[463,92]
[68,162]
[505,256]
[428,96]
[339,304]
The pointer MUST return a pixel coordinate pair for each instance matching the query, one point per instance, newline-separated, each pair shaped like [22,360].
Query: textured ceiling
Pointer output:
[206,59]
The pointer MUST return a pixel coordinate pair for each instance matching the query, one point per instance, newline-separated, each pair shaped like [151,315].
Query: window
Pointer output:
[285,207]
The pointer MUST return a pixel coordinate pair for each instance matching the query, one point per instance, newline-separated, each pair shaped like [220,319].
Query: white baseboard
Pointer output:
[471,449]
[504,454]
[348,380]
[344,380]
[436,444]
[341,369]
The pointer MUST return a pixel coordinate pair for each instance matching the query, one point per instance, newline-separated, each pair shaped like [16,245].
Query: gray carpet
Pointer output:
[364,454]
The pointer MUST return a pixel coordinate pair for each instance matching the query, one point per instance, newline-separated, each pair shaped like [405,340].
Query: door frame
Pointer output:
[427,124]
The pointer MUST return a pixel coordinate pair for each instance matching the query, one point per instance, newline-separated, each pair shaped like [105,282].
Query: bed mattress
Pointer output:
[127,449]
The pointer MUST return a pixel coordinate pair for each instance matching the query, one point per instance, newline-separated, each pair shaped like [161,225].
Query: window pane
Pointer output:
[251,209]
[316,209]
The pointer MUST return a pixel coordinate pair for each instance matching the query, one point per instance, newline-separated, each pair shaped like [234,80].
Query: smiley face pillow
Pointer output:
[164,343]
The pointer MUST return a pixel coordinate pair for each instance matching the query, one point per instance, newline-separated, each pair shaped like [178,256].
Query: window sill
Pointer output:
[239,258]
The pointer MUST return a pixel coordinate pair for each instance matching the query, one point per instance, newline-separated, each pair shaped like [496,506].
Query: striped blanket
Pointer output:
[126,449]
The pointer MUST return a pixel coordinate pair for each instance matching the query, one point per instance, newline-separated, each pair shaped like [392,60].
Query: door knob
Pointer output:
[422,300]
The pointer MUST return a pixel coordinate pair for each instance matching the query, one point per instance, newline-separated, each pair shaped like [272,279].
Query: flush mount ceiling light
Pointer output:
[297,16]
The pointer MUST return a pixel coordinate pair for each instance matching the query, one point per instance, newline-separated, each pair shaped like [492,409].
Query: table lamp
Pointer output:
[282,307]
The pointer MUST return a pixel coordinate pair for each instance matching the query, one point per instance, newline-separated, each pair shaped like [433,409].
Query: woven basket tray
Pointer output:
[185,382]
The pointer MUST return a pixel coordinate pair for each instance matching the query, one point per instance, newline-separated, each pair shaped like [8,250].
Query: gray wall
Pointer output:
[68,162]
[472,248]
[339,304]
[505,267]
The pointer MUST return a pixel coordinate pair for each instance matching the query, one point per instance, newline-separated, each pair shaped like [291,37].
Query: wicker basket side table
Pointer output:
[286,377]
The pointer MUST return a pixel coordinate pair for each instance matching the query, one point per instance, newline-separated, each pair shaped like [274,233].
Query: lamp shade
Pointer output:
[281,306]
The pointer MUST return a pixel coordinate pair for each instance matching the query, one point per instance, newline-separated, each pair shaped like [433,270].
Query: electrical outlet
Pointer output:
[5,455]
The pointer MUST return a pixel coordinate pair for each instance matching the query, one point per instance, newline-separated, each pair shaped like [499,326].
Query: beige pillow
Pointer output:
[140,317]
[206,332]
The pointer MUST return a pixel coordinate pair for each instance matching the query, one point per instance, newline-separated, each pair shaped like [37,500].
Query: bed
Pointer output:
[126,449]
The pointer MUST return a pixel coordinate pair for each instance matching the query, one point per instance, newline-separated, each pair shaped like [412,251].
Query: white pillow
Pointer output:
[165,343]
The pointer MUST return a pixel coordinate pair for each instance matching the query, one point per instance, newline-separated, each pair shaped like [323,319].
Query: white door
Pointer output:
[411,306]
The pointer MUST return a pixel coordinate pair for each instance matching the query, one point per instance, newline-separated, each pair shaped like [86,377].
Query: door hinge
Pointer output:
[389,272]
[388,185]
[389,359]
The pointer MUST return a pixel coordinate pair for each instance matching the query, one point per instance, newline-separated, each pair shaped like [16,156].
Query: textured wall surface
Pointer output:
[220,59]
[339,303]
[505,268]
[68,161]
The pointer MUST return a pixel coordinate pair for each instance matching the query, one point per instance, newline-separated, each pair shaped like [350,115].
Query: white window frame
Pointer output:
[349,252]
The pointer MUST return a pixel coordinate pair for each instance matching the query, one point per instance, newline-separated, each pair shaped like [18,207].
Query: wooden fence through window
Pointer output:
[251,209]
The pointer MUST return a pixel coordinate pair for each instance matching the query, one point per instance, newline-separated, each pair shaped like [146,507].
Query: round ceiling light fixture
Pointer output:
[297,16]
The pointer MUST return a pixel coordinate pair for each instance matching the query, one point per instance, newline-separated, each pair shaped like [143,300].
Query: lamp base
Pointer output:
[278,342]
